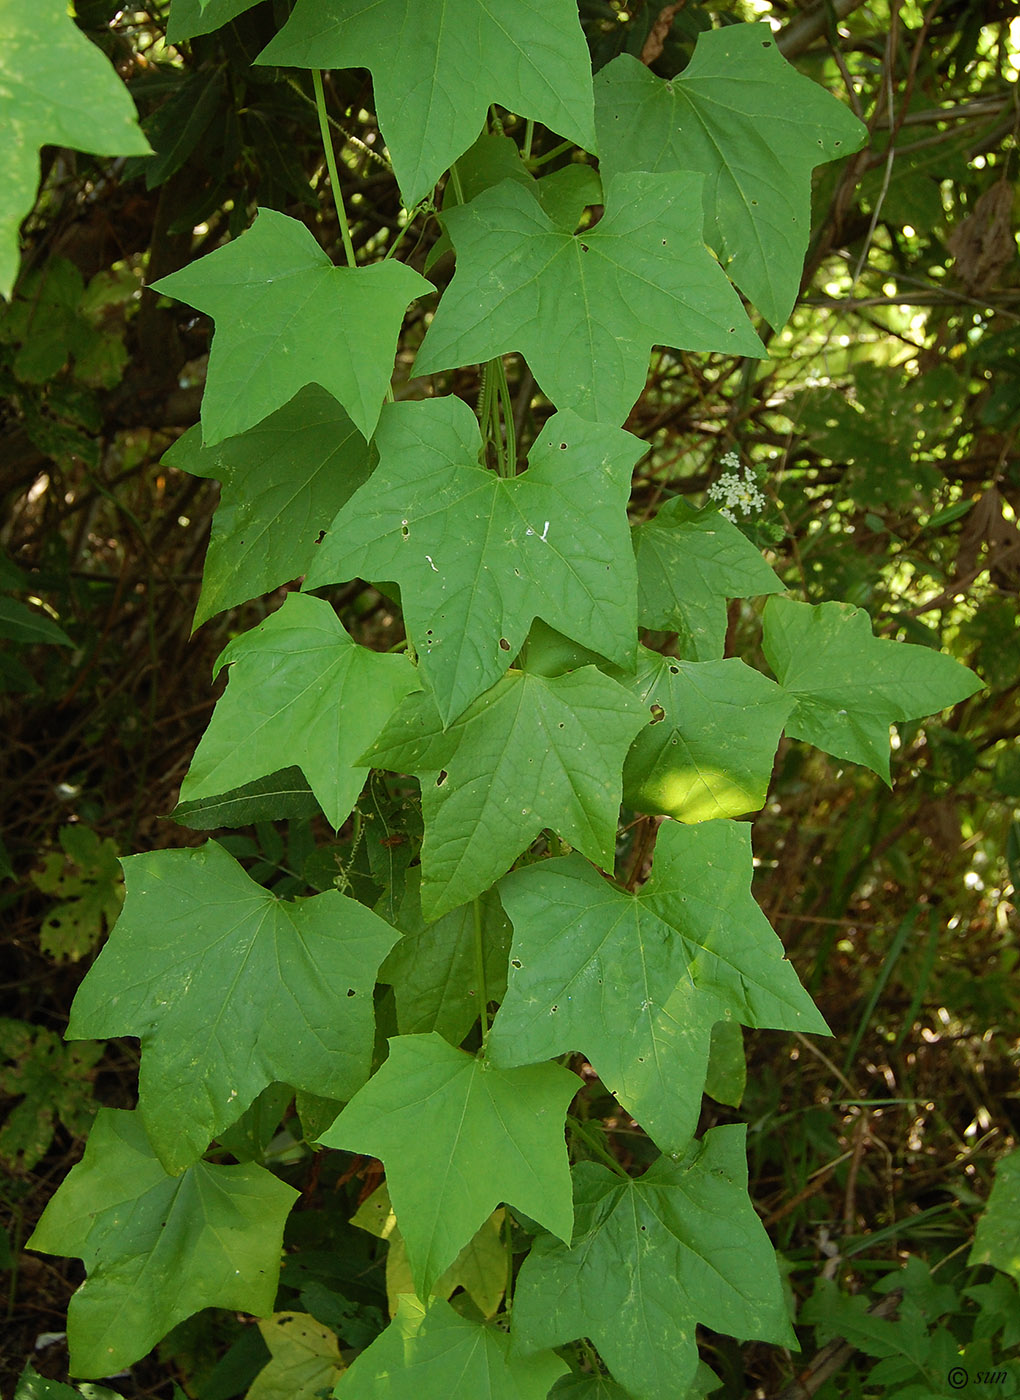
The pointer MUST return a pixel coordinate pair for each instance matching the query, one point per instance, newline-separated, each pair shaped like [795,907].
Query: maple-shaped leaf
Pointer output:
[189,18]
[585,309]
[754,127]
[438,1354]
[532,752]
[230,989]
[287,317]
[56,89]
[479,1268]
[433,970]
[695,1251]
[281,484]
[636,981]
[458,1137]
[436,68]
[688,563]
[477,556]
[157,1247]
[849,685]
[301,692]
[709,748]
[997,1239]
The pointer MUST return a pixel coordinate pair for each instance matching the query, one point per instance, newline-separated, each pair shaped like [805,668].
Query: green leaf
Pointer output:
[433,971]
[437,68]
[587,1388]
[849,685]
[532,752]
[87,881]
[56,89]
[281,795]
[286,318]
[230,989]
[282,484]
[688,563]
[710,745]
[55,1083]
[436,1355]
[480,1267]
[478,557]
[305,1359]
[32,1386]
[635,982]
[20,623]
[300,692]
[458,1137]
[158,1248]
[754,127]
[696,1252]
[997,1241]
[585,309]
[189,18]
[726,1076]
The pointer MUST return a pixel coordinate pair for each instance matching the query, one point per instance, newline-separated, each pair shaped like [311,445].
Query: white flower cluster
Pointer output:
[736,487]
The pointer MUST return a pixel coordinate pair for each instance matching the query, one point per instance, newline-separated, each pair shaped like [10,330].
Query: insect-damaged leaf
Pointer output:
[696,1252]
[636,981]
[754,127]
[230,989]
[436,68]
[479,557]
[585,309]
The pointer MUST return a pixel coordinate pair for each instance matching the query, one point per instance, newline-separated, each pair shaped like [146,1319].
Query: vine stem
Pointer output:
[592,1142]
[334,175]
[480,973]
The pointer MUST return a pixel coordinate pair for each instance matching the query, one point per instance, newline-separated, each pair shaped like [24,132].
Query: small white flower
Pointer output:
[736,488]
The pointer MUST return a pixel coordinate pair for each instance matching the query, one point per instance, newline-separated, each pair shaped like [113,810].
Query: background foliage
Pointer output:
[882,431]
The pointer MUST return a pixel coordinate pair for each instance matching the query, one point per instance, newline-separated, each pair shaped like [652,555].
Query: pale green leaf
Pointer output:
[708,749]
[754,127]
[688,563]
[530,753]
[433,969]
[695,1251]
[458,1137]
[304,1359]
[158,1248]
[997,1241]
[230,989]
[479,1268]
[56,89]
[300,692]
[439,1355]
[478,557]
[287,317]
[585,309]
[282,483]
[635,982]
[850,686]
[436,68]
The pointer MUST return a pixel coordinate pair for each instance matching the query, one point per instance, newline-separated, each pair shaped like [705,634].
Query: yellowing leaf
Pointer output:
[305,1362]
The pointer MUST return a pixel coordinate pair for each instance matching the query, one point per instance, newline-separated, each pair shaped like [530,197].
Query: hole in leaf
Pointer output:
[658,714]
[516,962]
[442,778]
[350,991]
[553,1008]
[504,645]
[584,247]
[674,670]
[320,537]
[766,44]
[403,529]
